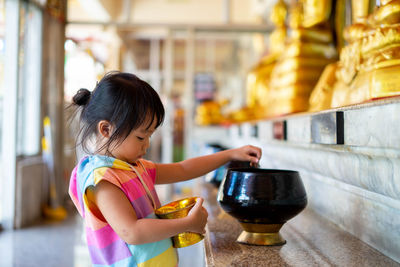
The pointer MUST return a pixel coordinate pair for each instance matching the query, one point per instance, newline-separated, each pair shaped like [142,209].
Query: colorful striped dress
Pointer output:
[106,248]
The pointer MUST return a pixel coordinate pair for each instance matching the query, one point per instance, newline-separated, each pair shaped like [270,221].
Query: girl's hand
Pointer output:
[247,153]
[198,216]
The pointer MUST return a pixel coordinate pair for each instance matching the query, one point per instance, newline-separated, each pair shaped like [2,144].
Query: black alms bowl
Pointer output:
[262,197]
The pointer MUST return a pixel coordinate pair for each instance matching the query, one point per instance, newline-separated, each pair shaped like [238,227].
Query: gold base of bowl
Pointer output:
[179,209]
[186,239]
[261,239]
[261,234]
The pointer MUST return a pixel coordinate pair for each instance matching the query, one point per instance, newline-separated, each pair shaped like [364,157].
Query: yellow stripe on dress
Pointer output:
[116,176]
[119,164]
[165,259]
[99,173]
[91,220]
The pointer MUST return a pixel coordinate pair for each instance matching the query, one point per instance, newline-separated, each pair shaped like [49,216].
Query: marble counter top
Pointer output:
[311,241]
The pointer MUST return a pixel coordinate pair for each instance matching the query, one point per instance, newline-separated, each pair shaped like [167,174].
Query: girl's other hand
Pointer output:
[198,216]
[247,153]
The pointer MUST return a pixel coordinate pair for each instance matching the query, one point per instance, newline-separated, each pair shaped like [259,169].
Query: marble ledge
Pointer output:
[374,173]
[311,241]
[368,104]
[370,125]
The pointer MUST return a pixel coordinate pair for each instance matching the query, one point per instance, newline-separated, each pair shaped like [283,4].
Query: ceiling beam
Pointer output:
[174,26]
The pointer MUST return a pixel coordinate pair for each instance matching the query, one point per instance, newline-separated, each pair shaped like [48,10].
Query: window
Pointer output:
[20,86]
[2,52]
[29,86]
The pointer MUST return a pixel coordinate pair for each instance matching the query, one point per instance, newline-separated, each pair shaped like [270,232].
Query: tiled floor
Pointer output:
[61,244]
[45,244]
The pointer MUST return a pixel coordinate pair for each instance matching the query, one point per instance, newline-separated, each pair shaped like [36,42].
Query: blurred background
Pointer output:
[189,51]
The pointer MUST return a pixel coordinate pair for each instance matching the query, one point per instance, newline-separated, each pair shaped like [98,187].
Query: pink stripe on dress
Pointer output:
[102,237]
[135,189]
[74,190]
[152,174]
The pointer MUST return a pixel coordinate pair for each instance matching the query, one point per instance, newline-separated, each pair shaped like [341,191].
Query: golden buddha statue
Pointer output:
[370,62]
[258,78]
[209,113]
[308,50]
[379,65]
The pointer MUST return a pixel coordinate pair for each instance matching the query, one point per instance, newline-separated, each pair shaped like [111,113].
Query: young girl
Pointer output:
[113,188]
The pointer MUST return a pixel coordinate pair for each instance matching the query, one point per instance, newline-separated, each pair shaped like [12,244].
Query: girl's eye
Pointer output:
[140,138]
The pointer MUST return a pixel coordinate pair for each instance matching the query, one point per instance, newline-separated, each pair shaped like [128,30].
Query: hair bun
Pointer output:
[81,97]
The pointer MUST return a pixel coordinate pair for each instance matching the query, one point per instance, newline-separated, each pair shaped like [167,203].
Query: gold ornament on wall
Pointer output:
[369,64]
[309,48]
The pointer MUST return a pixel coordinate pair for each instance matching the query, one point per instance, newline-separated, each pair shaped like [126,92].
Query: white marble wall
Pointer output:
[374,126]
[372,217]
[374,172]
[358,192]
[356,185]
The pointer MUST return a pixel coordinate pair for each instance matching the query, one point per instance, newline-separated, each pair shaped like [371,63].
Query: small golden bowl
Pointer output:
[179,209]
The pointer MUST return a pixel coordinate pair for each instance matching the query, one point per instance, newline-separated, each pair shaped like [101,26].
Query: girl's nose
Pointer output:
[147,143]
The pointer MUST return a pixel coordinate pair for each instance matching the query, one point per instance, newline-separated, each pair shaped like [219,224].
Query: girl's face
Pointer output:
[135,145]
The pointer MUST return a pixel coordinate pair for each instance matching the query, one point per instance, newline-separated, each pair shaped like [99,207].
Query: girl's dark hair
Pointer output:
[122,99]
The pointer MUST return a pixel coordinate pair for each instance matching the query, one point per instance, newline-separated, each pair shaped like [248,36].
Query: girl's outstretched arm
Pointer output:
[196,167]
[115,208]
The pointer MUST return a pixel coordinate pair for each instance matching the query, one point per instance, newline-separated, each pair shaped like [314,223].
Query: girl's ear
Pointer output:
[104,128]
